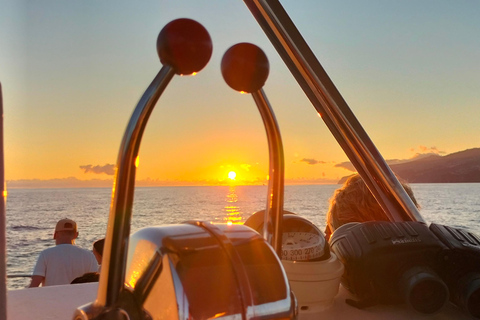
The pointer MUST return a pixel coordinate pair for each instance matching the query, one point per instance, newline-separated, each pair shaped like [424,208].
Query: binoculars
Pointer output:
[408,262]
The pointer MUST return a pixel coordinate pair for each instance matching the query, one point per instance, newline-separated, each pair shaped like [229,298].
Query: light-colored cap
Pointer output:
[66,225]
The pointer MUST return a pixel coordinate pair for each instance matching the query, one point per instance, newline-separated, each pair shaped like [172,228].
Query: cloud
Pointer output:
[72,182]
[311,161]
[425,151]
[303,181]
[245,167]
[108,169]
[69,182]
[346,165]
[418,153]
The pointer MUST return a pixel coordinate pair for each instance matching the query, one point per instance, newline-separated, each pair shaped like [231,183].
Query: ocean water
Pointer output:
[33,213]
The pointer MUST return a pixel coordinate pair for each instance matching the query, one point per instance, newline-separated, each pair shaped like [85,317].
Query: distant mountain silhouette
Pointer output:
[462,166]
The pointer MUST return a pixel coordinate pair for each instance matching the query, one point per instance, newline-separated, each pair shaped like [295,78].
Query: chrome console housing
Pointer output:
[198,270]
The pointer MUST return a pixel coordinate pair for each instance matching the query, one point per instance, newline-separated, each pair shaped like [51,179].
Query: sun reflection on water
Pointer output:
[232,210]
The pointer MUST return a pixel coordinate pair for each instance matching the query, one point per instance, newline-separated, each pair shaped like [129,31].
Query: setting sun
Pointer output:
[232,175]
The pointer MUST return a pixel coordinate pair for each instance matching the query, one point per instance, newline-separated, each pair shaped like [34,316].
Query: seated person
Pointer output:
[98,250]
[354,202]
[87,277]
[93,276]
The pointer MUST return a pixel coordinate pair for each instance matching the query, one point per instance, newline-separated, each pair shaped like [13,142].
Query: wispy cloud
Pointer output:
[417,153]
[423,151]
[311,161]
[108,169]
[346,165]
[69,182]
[303,181]
[245,167]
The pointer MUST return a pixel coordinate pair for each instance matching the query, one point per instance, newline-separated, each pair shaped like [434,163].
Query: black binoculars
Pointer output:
[408,262]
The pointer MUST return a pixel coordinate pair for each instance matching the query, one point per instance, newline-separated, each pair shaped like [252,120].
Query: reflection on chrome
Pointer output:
[233,215]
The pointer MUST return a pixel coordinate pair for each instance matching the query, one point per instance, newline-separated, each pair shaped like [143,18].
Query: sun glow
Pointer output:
[137,161]
[232,175]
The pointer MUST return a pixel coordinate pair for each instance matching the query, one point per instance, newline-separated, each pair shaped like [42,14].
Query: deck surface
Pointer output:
[60,302]
[45,303]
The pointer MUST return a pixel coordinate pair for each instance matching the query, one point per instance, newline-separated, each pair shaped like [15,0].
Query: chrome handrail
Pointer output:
[333,109]
[3,225]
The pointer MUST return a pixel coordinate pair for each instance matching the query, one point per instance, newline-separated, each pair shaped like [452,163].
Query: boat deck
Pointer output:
[60,302]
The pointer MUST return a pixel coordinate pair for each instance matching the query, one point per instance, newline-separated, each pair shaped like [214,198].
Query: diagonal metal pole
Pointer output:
[333,109]
[3,227]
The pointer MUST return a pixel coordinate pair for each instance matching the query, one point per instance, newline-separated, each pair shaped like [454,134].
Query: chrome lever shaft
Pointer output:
[118,229]
[272,228]
[245,68]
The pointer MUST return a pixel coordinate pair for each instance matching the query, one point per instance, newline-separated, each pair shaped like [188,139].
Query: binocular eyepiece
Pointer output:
[460,267]
[423,290]
[407,262]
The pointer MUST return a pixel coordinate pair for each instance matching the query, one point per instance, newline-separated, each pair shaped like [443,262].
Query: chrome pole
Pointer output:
[3,226]
[272,228]
[333,109]
[112,277]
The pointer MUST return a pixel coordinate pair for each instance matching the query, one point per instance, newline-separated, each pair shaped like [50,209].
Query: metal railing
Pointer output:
[333,109]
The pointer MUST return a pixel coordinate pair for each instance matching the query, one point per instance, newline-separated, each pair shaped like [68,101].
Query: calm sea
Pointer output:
[33,213]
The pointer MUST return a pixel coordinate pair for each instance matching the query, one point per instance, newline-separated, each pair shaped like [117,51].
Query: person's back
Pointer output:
[63,263]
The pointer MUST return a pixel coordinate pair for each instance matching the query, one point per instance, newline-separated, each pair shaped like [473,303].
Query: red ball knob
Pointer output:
[184,45]
[245,67]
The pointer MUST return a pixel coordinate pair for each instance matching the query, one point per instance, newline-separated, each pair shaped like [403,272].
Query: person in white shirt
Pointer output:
[64,262]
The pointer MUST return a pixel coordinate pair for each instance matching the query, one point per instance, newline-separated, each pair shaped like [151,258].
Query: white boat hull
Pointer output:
[53,302]
[60,302]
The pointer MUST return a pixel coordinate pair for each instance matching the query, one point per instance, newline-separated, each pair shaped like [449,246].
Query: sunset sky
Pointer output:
[73,71]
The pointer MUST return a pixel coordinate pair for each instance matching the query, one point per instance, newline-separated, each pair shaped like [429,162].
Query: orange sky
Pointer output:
[73,72]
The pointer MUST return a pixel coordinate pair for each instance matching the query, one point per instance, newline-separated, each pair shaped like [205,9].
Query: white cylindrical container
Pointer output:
[314,283]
